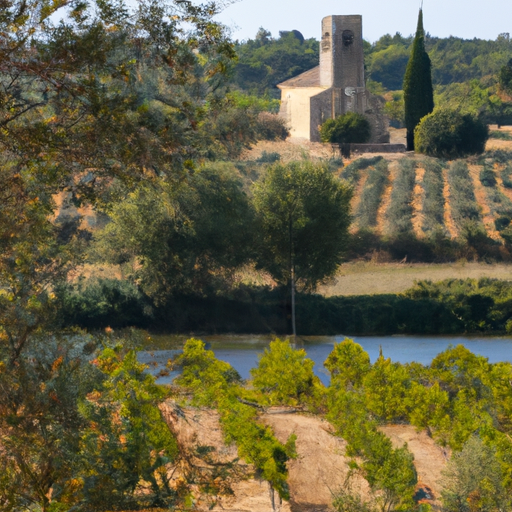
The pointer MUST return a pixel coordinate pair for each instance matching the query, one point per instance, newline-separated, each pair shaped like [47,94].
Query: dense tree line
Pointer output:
[454,60]
[449,307]
[467,74]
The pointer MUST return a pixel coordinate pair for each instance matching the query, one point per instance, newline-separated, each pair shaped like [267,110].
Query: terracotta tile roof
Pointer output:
[310,78]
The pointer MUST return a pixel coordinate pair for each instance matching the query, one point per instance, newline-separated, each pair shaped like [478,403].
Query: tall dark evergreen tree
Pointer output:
[418,91]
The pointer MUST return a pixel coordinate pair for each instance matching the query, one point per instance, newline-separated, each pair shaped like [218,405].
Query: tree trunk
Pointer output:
[292,279]
[275,500]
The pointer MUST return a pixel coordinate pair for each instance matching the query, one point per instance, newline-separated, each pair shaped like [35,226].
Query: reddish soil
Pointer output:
[417,203]
[448,219]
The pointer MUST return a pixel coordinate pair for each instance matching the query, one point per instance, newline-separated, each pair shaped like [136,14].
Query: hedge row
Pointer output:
[260,310]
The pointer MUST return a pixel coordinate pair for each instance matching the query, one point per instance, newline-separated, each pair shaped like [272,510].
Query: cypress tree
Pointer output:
[418,91]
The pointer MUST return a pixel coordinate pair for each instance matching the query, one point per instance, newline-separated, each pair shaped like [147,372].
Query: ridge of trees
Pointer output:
[454,60]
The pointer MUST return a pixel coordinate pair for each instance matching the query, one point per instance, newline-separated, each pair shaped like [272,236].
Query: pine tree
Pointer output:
[418,91]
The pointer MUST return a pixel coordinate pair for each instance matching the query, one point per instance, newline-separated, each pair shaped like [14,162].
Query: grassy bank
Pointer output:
[369,277]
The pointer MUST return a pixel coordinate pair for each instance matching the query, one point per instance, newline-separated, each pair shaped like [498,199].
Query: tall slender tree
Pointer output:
[302,219]
[418,91]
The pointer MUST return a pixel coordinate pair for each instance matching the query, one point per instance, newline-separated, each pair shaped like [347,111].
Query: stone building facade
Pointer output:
[334,87]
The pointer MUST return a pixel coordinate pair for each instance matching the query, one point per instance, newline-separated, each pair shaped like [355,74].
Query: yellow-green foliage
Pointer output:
[458,396]
[390,472]
[216,384]
[284,374]
[348,363]
[126,442]
[386,386]
[202,373]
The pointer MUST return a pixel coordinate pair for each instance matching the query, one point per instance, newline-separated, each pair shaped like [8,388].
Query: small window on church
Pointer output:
[326,42]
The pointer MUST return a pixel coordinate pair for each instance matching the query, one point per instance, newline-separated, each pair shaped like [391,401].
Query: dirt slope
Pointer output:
[429,458]
[319,470]
[201,428]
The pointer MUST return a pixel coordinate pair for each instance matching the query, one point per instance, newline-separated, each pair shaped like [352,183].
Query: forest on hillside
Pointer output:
[464,71]
[265,61]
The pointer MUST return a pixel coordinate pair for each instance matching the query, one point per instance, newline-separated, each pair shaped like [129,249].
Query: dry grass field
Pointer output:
[368,278]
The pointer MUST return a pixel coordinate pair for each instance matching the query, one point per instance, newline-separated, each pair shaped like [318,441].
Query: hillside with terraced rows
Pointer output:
[424,196]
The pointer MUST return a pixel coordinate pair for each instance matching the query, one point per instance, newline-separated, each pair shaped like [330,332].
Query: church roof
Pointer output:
[310,78]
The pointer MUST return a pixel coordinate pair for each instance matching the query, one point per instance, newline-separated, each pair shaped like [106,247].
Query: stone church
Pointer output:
[334,87]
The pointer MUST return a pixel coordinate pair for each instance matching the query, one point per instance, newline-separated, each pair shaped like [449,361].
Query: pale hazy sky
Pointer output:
[484,19]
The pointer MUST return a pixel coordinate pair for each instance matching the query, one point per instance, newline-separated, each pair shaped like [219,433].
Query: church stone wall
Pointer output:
[341,52]
[295,109]
[321,106]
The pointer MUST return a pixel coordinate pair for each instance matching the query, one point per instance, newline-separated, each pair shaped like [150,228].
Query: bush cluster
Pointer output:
[448,134]
[271,126]
[443,308]
[345,129]
[459,398]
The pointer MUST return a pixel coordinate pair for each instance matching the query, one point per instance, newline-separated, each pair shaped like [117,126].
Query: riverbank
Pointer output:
[449,307]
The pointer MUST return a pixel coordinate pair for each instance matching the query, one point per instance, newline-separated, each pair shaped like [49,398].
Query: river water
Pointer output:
[242,351]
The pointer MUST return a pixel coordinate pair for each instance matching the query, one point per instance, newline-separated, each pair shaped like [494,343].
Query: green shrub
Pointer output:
[283,374]
[448,134]
[268,158]
[487,177]
[502,222]
[505,176]
[347,128]
[103,302]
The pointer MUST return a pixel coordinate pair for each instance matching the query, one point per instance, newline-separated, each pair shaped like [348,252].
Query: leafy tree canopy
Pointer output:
[302,215]
[181,239]
[264,62]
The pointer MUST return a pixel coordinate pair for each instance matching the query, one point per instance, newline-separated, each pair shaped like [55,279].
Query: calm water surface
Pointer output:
[242,351]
